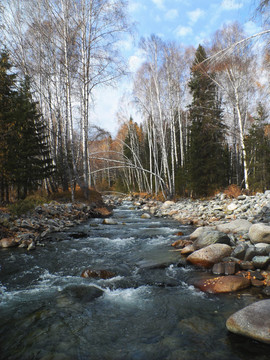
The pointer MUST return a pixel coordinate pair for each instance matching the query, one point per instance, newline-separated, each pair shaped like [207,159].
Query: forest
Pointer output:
[204,112]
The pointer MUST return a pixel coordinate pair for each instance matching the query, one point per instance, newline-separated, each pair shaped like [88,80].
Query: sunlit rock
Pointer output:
[223,284]
[8,242]
[211,237]
[239,225]
[259,233]
[146,216]
[109,221]
[209,255]
[101,274]
[253,321]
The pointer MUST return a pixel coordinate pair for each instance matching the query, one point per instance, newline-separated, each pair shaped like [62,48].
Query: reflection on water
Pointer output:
[149,310]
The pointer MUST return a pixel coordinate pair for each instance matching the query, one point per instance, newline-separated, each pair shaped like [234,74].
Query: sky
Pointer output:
[187,22]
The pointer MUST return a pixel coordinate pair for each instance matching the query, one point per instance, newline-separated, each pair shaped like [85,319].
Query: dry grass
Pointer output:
[232,191]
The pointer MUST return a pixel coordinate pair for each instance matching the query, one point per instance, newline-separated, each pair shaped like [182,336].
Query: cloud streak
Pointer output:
[231,5]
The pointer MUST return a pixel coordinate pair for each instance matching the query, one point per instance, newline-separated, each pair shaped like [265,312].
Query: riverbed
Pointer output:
[148,310]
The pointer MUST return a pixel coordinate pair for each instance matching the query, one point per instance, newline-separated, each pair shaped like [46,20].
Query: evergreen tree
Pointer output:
[207,161]
[7,94]
[258,152]
[31,161]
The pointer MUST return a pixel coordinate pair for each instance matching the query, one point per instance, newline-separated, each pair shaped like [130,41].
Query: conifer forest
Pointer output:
[204,111]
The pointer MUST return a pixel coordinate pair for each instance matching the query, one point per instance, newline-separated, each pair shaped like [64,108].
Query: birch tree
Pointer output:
[234,76]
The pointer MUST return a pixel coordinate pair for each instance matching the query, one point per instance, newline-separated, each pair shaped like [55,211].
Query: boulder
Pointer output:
[211,237]
[8,242]
[208,256]
[259,233]
[239,225]
[199,231]
[223,284]
[100,274]
[252,321]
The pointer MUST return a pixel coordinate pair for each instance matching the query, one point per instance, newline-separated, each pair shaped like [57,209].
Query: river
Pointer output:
[148,310]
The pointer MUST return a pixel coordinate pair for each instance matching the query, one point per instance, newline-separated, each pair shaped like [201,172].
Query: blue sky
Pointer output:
[188,22]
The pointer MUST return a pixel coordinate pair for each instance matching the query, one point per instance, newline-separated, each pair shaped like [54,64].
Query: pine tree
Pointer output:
[207,165]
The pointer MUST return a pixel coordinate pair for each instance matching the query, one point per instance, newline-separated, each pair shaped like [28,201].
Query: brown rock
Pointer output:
[101,274]
[209,255]
[187,249]
[257,283]
[8,242]
[223,284]
[246,265]
[181,243]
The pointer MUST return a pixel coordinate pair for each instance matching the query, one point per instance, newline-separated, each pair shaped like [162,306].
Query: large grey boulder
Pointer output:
[199,232]
[253,321]
[236,226]
[208,256]
[211,237]
[259,233]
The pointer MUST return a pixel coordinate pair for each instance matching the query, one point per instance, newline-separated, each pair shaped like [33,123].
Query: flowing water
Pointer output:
[148,310]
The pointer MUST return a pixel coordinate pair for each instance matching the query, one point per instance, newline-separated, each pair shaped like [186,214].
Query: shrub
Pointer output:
[232,191]
[28,204]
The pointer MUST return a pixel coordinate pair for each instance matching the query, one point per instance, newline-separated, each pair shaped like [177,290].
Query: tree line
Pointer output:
[204,111]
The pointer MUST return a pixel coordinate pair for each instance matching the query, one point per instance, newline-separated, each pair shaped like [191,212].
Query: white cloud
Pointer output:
[171,14]
[136,6]
[195,15]
[183,30]
[251,28]
[159,4]
[136,60]
[231,4]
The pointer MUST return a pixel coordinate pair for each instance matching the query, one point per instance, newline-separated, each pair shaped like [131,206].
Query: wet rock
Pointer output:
[259,233]
[82,293]
[223,284]
[266,291]
[211,237]
[239,225]
[100,274]
[261,262]
[253,321]
[209,255]
[146,216]
[7,243]
[109,221]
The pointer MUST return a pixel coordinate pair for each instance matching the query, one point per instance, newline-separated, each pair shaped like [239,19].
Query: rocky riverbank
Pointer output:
[31,230]
[232,242]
